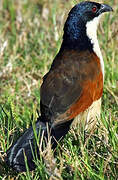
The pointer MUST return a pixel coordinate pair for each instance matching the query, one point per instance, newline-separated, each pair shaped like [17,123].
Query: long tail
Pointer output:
[26,145]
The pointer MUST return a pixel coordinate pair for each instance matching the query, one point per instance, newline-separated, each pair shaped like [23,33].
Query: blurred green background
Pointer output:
[30,36]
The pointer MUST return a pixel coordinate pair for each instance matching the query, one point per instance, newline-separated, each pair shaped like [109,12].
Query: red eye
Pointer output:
[94,9]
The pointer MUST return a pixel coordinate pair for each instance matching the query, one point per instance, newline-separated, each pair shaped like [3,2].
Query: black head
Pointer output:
[75,35]
[89,10]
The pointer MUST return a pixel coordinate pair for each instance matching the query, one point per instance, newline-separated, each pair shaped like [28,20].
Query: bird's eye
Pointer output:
[94,9]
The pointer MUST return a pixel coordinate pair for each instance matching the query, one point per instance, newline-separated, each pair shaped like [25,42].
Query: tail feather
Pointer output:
[26,145]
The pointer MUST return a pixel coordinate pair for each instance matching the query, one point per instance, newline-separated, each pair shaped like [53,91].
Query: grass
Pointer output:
[30,36]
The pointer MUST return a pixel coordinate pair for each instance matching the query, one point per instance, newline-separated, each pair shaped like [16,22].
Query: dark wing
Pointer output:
[71,75]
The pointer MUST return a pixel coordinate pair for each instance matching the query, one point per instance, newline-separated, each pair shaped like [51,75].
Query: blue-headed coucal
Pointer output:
[73,83]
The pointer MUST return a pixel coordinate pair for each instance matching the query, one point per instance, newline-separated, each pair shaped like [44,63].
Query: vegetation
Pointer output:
[30,36]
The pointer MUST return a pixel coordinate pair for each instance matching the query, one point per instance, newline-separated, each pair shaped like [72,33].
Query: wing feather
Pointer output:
[65,83]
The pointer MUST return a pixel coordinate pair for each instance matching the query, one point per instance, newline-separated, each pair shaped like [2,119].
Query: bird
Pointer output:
[74,81]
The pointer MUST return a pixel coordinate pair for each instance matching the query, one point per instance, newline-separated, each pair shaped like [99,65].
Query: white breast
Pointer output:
[91,30]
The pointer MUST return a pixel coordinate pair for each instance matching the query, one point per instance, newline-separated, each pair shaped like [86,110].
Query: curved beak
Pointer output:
[105,8]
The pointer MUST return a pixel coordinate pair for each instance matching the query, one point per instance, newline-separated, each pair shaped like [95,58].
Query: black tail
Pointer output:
[26,144]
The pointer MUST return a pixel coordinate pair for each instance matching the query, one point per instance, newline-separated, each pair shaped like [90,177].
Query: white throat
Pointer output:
[91,30]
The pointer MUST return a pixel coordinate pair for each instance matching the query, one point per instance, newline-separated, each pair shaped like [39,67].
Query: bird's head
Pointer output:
[82,20]
[88,10]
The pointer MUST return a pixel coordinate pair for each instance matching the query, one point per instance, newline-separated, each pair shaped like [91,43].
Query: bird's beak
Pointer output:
[105,8]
